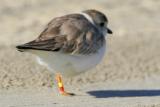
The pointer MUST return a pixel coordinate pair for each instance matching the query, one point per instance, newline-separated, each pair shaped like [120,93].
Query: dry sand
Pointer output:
[127,77]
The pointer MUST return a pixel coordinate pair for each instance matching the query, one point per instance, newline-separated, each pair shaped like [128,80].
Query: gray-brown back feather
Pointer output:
[72,34]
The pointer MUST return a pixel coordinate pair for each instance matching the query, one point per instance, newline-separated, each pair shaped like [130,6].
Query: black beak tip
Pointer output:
[109,31]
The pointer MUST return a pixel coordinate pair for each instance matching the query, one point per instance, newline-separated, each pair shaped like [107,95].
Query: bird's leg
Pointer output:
[61,86]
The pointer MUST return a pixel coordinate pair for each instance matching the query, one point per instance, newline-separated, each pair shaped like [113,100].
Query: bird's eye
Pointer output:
[101,24]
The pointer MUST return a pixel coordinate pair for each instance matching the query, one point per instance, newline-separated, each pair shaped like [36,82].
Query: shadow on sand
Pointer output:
[123,93]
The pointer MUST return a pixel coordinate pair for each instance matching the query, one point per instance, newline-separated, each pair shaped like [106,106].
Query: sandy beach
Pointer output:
[128,76]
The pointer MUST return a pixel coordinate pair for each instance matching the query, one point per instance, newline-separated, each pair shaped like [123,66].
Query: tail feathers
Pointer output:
[22,48]
[29,46]
[47,45]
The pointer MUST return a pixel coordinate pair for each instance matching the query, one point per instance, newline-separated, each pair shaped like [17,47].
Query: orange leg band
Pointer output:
[61,86]
[60,83]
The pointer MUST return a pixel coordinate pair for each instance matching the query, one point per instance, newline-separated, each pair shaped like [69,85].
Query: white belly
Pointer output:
[69,65]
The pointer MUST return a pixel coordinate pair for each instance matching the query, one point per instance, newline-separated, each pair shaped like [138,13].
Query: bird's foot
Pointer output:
[61,86]
[67,94]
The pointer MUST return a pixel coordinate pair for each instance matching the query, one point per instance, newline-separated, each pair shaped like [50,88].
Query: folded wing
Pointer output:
[72,34]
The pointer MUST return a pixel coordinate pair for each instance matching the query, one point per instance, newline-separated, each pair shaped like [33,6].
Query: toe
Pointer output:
[67,94]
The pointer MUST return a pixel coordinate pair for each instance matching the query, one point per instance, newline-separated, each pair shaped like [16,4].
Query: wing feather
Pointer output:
[72,34]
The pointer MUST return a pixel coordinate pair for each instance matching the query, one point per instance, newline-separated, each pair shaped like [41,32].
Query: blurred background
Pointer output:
[133,52]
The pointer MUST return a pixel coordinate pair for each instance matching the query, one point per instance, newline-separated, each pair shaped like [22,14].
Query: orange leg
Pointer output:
[61,86]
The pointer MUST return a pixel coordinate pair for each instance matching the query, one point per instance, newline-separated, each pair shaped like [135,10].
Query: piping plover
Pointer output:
[71,44]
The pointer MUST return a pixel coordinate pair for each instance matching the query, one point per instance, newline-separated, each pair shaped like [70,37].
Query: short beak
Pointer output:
[109,31]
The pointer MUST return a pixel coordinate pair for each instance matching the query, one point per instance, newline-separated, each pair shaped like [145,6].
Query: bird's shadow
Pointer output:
[123,93]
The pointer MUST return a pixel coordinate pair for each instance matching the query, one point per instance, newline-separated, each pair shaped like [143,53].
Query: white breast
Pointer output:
[69,65]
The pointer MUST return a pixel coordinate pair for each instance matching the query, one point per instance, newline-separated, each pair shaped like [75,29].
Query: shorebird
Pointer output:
[71,44]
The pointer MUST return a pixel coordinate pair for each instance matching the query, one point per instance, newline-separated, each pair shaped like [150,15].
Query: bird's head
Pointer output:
[99,20]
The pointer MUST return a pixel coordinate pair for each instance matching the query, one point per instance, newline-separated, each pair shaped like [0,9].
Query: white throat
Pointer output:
[88,17]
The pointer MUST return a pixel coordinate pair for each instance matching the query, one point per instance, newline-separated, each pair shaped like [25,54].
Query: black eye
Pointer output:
[101,24]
